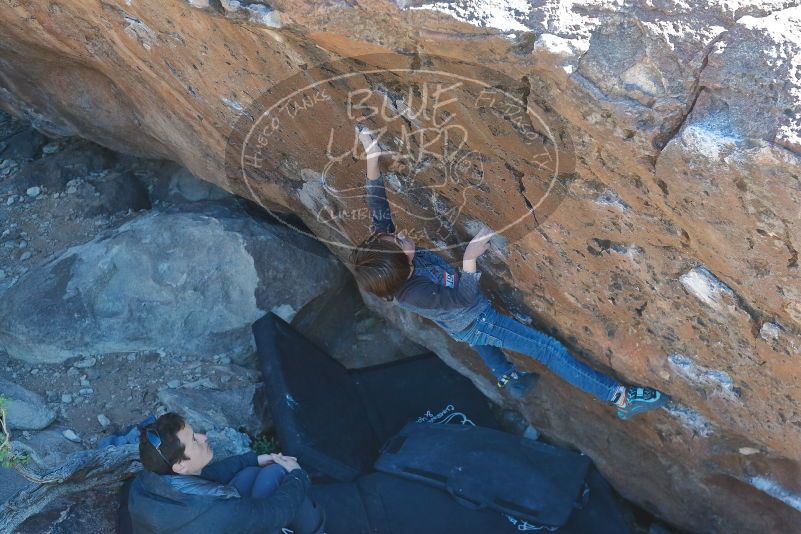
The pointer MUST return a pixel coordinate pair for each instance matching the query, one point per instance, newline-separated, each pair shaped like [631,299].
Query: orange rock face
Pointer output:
[642,164]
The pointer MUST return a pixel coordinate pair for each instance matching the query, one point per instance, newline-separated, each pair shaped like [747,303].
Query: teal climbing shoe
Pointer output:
[641,399]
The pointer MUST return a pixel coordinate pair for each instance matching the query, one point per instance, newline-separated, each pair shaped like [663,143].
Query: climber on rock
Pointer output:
[181,491]
[389,265]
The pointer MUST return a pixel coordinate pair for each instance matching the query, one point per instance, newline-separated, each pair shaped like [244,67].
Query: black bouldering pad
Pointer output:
[317,412]
[485,468]
[602,514]
[335,420]
[384,504]
[344,507]
[422,388]
[379,503]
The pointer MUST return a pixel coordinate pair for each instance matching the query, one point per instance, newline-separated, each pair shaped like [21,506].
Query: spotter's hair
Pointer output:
[173,451]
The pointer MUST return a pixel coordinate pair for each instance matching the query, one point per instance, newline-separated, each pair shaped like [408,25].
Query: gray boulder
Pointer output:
[228,442]
[26,410]
[209,409]
[189,279]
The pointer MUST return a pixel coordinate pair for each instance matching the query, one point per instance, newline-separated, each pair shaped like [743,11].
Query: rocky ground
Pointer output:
[68,198]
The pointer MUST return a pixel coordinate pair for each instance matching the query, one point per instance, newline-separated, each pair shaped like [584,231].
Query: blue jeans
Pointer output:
[258,482]
[493,331]
[261,482]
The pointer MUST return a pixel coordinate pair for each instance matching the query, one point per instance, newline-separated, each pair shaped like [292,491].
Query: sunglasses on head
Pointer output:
[154,439]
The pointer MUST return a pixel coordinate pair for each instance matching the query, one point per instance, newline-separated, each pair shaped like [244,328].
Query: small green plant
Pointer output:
[8,458]
[266,443]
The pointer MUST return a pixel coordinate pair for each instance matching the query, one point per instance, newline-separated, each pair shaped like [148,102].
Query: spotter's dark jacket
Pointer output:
[161,504]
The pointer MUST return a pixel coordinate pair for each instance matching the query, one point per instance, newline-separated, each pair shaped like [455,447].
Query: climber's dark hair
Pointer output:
[380,266]
[170,450]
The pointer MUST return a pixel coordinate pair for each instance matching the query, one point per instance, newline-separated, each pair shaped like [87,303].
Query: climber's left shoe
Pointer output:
[641,399]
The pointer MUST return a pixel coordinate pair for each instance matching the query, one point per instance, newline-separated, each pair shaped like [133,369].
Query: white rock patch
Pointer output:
[708,141]
[697,374]
[708,289]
